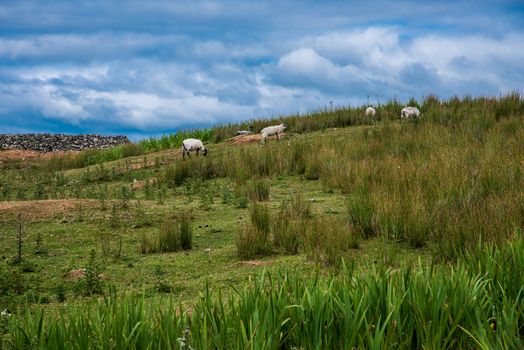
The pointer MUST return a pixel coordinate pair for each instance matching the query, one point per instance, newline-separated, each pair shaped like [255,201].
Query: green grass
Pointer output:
[469,306]
[428,216]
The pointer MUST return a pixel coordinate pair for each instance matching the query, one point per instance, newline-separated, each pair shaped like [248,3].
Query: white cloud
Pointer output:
[305,61]
[375,56]
[483,55]
[148,81]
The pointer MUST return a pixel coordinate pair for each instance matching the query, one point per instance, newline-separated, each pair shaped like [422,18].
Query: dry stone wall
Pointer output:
[59,142]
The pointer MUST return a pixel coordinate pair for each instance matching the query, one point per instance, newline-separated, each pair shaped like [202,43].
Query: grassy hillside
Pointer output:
[401,213]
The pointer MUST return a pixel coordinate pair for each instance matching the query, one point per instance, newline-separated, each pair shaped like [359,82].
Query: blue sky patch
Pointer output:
[147,68]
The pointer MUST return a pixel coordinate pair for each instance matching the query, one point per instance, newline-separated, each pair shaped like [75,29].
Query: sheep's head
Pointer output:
[204,151]
[284,126]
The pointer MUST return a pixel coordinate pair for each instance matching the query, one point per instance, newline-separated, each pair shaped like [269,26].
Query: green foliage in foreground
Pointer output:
[478,303]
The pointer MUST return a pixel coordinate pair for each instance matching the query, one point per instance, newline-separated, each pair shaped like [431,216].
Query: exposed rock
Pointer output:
[59,142]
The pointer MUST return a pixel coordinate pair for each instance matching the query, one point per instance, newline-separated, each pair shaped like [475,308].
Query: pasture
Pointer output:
[351,231]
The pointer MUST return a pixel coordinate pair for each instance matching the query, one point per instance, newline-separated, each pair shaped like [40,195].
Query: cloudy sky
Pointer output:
[150,67]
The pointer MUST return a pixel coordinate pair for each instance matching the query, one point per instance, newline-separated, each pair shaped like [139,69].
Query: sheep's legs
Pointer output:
[184,151]
[278,137]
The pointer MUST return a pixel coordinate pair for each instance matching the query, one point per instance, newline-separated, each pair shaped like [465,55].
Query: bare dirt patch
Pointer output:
[246,139]
[39,209]
[81,273]
[253,263]
[138,185]
[24,155]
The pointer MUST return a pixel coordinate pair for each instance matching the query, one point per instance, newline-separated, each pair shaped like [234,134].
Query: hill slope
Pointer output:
[388,194]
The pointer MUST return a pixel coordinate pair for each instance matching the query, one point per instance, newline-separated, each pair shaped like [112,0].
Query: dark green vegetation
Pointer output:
[426,215]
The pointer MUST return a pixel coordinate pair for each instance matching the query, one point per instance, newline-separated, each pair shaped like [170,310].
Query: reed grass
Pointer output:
[475,304]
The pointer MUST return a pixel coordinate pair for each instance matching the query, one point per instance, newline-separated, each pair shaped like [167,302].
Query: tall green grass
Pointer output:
[155,144]
[477,304]
[454,177]
[91,157]
[175,233]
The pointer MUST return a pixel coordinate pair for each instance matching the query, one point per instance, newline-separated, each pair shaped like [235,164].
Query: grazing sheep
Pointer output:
[5,313]
[272,130]
[370,112]
[409,112]
[189,145]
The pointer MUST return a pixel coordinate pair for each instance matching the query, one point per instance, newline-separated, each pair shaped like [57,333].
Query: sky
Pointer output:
[146,68]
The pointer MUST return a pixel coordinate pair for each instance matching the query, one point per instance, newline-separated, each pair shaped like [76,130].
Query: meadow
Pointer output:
[351,231]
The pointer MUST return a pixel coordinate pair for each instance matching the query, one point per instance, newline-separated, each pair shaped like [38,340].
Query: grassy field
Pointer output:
[349,232]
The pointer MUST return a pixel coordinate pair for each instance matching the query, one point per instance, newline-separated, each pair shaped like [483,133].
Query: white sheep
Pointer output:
[409,112]
[370,112]
[272,130]
[189,145]
[5,313]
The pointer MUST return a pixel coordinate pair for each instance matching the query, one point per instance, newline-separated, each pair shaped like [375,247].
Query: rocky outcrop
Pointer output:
[59,142]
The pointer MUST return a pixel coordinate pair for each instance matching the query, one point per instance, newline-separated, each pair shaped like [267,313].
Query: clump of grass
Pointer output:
[253,239]
[186,231]
[259,189]
[169,239]
[291,223]
[328,239]
[362,212]
[175,233]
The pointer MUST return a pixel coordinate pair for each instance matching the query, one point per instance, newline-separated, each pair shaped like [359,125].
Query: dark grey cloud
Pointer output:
[150,67]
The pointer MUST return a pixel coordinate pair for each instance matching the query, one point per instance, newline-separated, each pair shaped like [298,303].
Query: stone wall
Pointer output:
[59,142]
